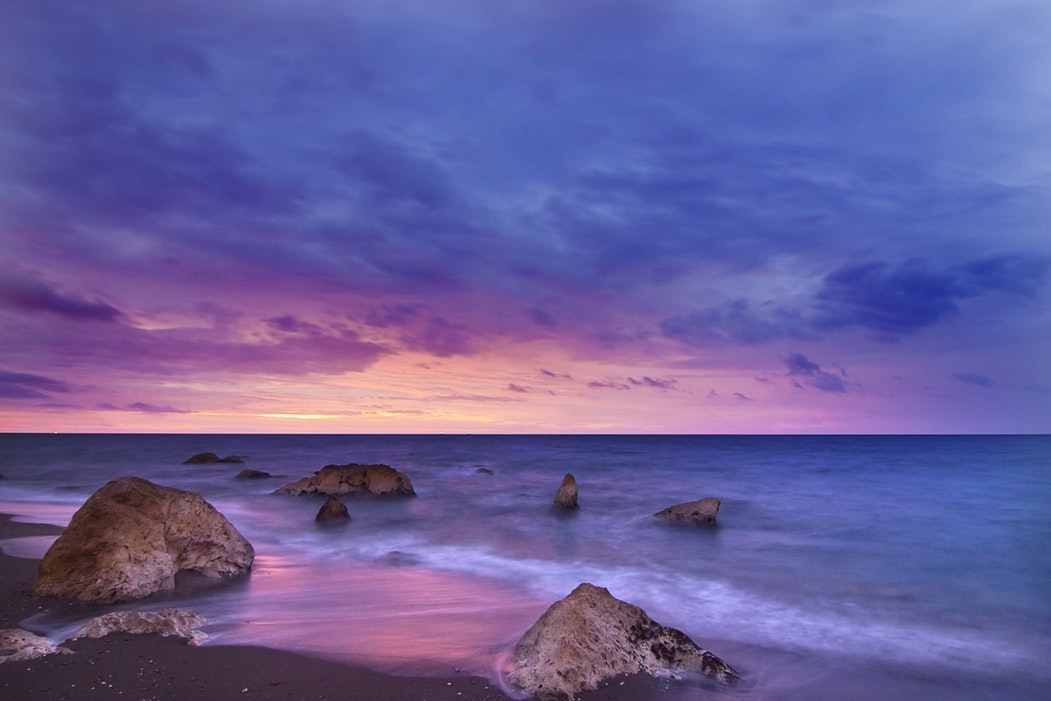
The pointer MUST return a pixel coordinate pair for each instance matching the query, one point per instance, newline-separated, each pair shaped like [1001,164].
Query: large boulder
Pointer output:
[130,538]
[702,512]
[177,623]
[590,637]
[566,496]
[338,480]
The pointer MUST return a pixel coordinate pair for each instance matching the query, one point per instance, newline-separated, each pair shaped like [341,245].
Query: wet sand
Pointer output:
[149,667]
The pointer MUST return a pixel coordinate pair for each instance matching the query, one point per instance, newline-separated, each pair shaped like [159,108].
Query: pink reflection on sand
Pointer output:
[395,618]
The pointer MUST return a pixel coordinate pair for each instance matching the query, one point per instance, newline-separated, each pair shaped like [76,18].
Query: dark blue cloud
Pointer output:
[800,366]
[23,293]
[17,385]
[892,301]
[972,378]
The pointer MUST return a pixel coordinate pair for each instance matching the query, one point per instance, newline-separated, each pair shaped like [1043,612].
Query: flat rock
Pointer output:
[566,496]
[339,480]
[207,458]
[253,475]
[702,512]
[130,538]
[178,623]
[17,645]
[590,637]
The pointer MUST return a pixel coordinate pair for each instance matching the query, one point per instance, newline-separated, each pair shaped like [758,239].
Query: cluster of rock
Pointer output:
[590,637]
[352,479]
[131,537]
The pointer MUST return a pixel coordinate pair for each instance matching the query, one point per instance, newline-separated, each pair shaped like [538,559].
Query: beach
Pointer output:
[860,567]
[151,667]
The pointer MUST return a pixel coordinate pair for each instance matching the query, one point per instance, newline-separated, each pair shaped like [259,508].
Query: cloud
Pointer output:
[734,323]
[609,384]
[22,293]
[897,301]
[893,301]
[143,408]
[800,366]
[650,382]
[973,379]
[512,387]
[422,330]
[16,385]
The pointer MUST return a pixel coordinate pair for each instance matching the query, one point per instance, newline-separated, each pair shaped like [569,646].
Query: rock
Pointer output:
[253,474]
[483,471]
[333,511]
[201,459]
[206,458]
[130,538]
[178,623]
[17,645]
[590,637]
[701,513]
[566,496]
[337,480]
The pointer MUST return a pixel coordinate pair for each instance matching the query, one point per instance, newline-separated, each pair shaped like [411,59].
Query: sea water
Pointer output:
[863,567]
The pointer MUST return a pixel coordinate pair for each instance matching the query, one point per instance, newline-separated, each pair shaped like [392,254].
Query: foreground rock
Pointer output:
[332,512]
[590,637]
[699,513]
[566,496]
[206,458]
[17,645]
[130,538]
[338,480]
[177,623]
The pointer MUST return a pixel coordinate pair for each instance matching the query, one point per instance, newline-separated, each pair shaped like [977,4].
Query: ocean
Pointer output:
[861,567]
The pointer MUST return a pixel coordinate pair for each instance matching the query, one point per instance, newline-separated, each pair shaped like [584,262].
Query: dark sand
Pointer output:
[149,667]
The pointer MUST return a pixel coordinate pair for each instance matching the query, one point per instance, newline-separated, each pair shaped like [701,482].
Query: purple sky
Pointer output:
[635,216]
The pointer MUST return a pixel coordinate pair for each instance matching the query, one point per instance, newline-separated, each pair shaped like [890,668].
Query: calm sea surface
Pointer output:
[843,567]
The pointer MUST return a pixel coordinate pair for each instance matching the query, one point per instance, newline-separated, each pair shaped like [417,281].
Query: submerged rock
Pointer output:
[17,645]
[337,480]
[178,623]
[332,512]
[566,496]
[590,637]
[130,538]
[201,459]
[253,474]
[207,458]
[700,513]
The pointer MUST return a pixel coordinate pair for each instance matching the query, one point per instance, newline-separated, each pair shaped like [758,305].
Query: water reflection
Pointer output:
[389,616]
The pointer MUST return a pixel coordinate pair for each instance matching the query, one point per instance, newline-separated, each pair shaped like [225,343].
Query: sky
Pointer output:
[616,216]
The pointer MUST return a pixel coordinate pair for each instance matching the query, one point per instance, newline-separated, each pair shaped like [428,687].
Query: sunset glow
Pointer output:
[653,217]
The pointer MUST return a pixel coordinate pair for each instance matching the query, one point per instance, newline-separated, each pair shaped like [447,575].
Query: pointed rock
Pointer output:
[590,637]
[566,496]
[332,512]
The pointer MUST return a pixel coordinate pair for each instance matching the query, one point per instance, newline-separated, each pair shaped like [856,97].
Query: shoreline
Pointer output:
[152,667]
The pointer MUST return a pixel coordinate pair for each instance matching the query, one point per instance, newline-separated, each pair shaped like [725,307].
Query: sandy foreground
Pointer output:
[149,667]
